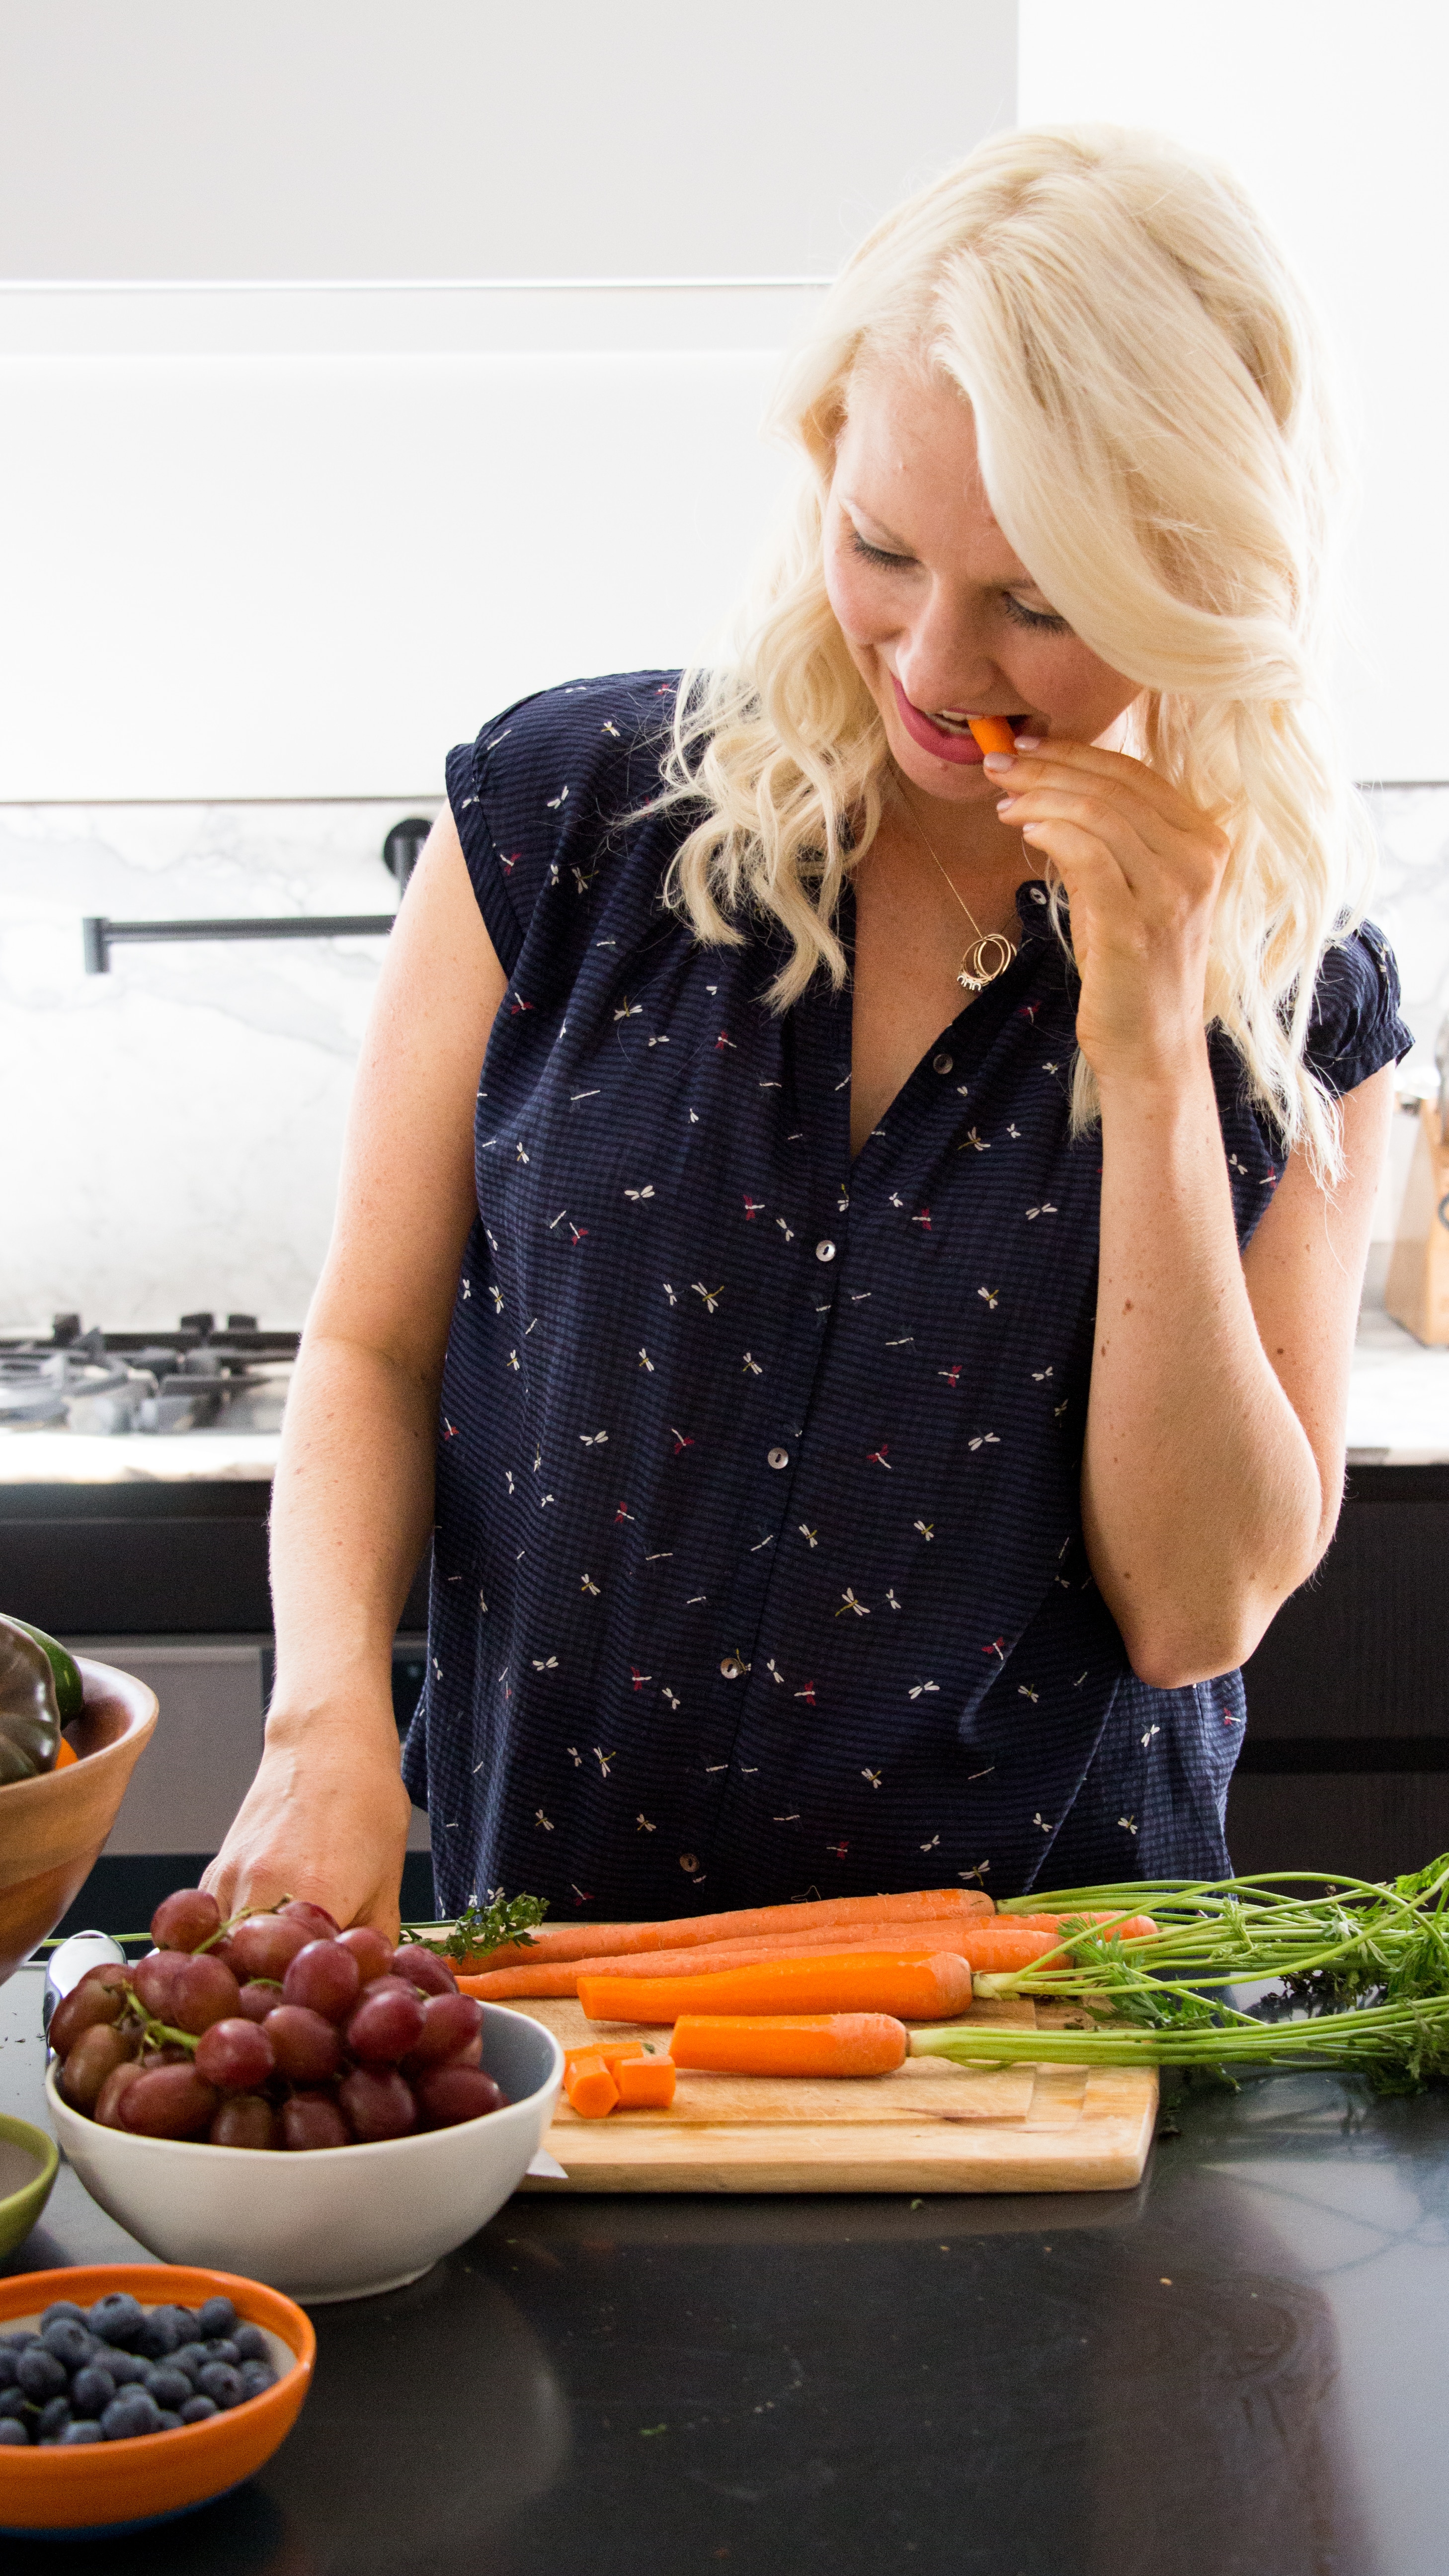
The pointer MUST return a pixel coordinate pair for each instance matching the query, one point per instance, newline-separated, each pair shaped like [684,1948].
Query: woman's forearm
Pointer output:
[351,1511]
[1202,1499]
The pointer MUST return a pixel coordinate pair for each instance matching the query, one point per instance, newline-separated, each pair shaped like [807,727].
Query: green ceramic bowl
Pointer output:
[29,2162]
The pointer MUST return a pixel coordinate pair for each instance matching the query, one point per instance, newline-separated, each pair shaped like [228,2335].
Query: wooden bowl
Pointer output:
[101,2487]
[52,1829]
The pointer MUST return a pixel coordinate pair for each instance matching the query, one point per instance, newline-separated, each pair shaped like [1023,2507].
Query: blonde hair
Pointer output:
[1155,438]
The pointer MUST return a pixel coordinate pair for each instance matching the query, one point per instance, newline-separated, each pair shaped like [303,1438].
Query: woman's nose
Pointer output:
[943,661]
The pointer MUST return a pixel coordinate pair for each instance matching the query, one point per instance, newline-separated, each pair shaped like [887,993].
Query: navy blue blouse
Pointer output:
[758,1566]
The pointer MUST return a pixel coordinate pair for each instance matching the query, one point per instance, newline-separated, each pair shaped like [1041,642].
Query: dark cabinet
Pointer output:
[1345,1765]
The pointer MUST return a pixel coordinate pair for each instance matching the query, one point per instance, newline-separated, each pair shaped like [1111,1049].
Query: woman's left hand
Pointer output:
[1141,867]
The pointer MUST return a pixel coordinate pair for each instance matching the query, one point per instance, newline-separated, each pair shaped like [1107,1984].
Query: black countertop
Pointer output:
[1239,2369]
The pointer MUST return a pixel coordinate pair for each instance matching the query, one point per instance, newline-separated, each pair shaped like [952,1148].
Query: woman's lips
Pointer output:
[958,747]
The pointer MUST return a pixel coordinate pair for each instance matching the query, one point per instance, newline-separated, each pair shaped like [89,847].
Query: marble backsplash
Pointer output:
[174,1127]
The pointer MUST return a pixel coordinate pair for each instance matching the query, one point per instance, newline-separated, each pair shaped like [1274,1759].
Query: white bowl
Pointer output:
[339,2223]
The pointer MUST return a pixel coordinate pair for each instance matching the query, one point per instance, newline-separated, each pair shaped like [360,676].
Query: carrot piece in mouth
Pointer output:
[992,733]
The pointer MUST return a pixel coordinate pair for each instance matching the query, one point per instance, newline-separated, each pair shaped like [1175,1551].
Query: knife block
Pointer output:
[1417,1294]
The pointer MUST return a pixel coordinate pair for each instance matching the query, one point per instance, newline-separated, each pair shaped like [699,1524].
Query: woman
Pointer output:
[873,1343]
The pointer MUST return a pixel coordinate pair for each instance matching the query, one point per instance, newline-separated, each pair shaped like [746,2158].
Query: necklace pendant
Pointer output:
[969,983]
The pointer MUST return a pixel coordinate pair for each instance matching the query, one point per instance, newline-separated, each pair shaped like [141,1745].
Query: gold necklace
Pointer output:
[990,953]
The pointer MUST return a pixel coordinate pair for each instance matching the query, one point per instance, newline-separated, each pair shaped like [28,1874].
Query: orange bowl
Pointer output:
[101,2487]
[52,1829]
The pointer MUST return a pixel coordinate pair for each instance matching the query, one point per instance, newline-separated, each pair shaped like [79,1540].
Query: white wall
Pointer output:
[478,138]
[1334,115]
[292,539]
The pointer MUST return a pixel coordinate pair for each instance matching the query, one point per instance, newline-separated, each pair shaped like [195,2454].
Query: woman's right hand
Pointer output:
[326,1817]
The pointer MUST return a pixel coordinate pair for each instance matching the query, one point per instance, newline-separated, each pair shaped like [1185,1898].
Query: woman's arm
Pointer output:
[1213,1461]
[1215,1430]
[327,1814]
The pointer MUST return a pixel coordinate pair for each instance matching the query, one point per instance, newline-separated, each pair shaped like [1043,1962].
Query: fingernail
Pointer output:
[1027,741]
[996,760]
[1004,804]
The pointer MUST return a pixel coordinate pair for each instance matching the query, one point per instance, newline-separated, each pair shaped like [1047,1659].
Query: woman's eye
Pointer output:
[1041,621]
[876,554]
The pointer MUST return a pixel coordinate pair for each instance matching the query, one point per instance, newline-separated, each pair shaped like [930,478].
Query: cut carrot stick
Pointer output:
[993,733]
[863,2043]
[67,1753]
[590,2085]
[561,1976]
[645,2083]
[912,1984]
[607,1940]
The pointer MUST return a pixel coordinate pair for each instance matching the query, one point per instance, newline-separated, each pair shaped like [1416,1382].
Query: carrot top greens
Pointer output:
[481,1927]
[1358,1978]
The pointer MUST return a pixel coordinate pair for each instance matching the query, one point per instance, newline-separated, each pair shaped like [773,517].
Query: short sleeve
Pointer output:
[1356,1026]
[545,783]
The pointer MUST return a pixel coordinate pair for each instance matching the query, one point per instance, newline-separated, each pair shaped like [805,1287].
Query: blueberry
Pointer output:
[251,2344]
[59,2308]
[8,2360]
[223,2349]
[257,2375]
[215,2317]
[168,2385]
[53,2420]
[220,2381]
[69,2340]
[127,2369]
[22,2336]
[169,2420]
[13,2434]
[131,2413]
[92,2388]
[197,2409]
[40,2374]
[13,2404]
[84,2429]
[178,2325]
[117,2318]
[190,2357]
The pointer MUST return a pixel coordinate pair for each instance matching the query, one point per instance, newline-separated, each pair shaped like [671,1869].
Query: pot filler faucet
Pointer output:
[400,854]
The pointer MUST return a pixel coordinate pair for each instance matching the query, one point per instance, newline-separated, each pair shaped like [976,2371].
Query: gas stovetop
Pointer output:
[205,1374]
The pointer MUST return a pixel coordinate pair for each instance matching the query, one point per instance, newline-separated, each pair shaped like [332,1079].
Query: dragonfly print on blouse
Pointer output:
[761,1467]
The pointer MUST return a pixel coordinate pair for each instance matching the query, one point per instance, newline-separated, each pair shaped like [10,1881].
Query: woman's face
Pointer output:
[941,618]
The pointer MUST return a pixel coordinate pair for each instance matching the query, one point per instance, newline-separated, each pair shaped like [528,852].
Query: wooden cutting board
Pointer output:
[932,2127]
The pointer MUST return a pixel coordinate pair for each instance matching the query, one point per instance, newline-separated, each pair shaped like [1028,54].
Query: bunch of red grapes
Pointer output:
[273,2030]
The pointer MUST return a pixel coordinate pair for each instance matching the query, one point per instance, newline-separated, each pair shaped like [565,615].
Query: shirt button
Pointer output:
[779,1457]
[825,1251]
[942,1063]
[731,1668]
[1038,894]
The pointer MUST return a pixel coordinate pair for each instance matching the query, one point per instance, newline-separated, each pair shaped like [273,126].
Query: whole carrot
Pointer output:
[993,1948]
[861,2043]
[912,1984]
[1119,1927]
[561,1976]
[607,1940]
